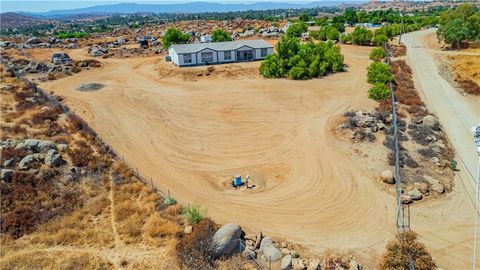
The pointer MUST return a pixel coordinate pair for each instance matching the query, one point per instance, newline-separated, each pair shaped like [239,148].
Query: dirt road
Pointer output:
[451,240]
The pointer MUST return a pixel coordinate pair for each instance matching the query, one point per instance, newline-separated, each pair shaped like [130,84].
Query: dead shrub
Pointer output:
[8,153]
[427,152]
[419,133]
[406,249]
[50,114]
[469,86]
[193,250]
[82,155]
[156,226]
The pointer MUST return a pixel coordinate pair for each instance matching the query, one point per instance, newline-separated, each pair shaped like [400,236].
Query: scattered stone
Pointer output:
[33,41]
[226,240]
[60,58]
[53,158]
[62,146]
[270,252]
[354,265]
[6,174]
[435,185]
[35,145]
[188,229]
[285,251]
[86,87]
[9,163]
[297,264]
[405,199]
[430,121]
[30,160]
[415,194]
[387,177]
[286,263]
[422,187]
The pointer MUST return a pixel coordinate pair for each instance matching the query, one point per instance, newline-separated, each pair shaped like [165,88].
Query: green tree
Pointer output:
[361,36]
[378,92]
[304,17]
[350,16]
[377,54]
[297,29]
[378,73]
[378,40]
[459,25]
[220,35]
[332,33]
[174,36]
[272,67]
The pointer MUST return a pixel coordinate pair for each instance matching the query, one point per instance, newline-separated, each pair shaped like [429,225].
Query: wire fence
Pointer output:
[403,211]
[56,103]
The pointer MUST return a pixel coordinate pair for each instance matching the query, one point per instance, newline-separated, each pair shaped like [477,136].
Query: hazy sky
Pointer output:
[41,6]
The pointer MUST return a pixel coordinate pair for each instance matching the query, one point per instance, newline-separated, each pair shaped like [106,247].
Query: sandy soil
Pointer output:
[192,136]
[451,239]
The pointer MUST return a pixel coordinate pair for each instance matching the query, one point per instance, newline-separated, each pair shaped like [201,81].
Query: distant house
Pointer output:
[219,52]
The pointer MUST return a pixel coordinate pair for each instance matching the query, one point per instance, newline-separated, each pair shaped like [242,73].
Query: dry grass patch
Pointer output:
[467,72]
[55,260]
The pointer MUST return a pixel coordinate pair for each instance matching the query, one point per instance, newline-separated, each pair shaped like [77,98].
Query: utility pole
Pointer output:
[476,137]
[401,26]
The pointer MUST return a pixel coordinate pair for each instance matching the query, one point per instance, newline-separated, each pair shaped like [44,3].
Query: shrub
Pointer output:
[378,73]
[302,61]
[174,36]
[345,38]
[220,35]
[427,152]
[64,35]
[379,40]
[296,30]
[379,92]
[361,36]
[194,213]
[377,54]
[406,249]
[193,250]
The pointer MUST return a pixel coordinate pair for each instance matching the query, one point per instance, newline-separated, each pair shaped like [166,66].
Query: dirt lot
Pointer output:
[191,133]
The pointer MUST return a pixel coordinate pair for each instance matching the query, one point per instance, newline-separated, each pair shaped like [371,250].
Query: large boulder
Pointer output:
[30,161]
[415,194]
[33,41]
[60,58]
[286,263]
[226,241]
[35,145]
[354,265]
[430,121]
[6,174]
[270,252]
[387,177]
[435,185]
[53,158]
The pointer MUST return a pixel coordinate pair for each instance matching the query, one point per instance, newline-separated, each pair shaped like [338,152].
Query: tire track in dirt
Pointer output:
[190,137]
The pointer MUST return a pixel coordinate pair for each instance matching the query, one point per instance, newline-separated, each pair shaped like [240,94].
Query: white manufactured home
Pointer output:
[219,52]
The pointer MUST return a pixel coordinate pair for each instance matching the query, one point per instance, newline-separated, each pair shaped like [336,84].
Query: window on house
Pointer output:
[207,57]
[227,55]
[187,58]
[263,52]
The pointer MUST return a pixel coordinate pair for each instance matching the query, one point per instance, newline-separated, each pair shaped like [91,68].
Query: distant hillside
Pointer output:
[12,20]
[194,7]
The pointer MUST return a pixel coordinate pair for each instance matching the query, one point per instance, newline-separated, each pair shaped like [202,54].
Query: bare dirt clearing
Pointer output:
[192,135]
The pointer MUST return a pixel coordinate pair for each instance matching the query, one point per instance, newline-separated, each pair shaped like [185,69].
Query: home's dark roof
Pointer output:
[220,46]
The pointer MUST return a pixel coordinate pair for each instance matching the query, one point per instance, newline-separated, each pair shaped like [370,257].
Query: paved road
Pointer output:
[457,113]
